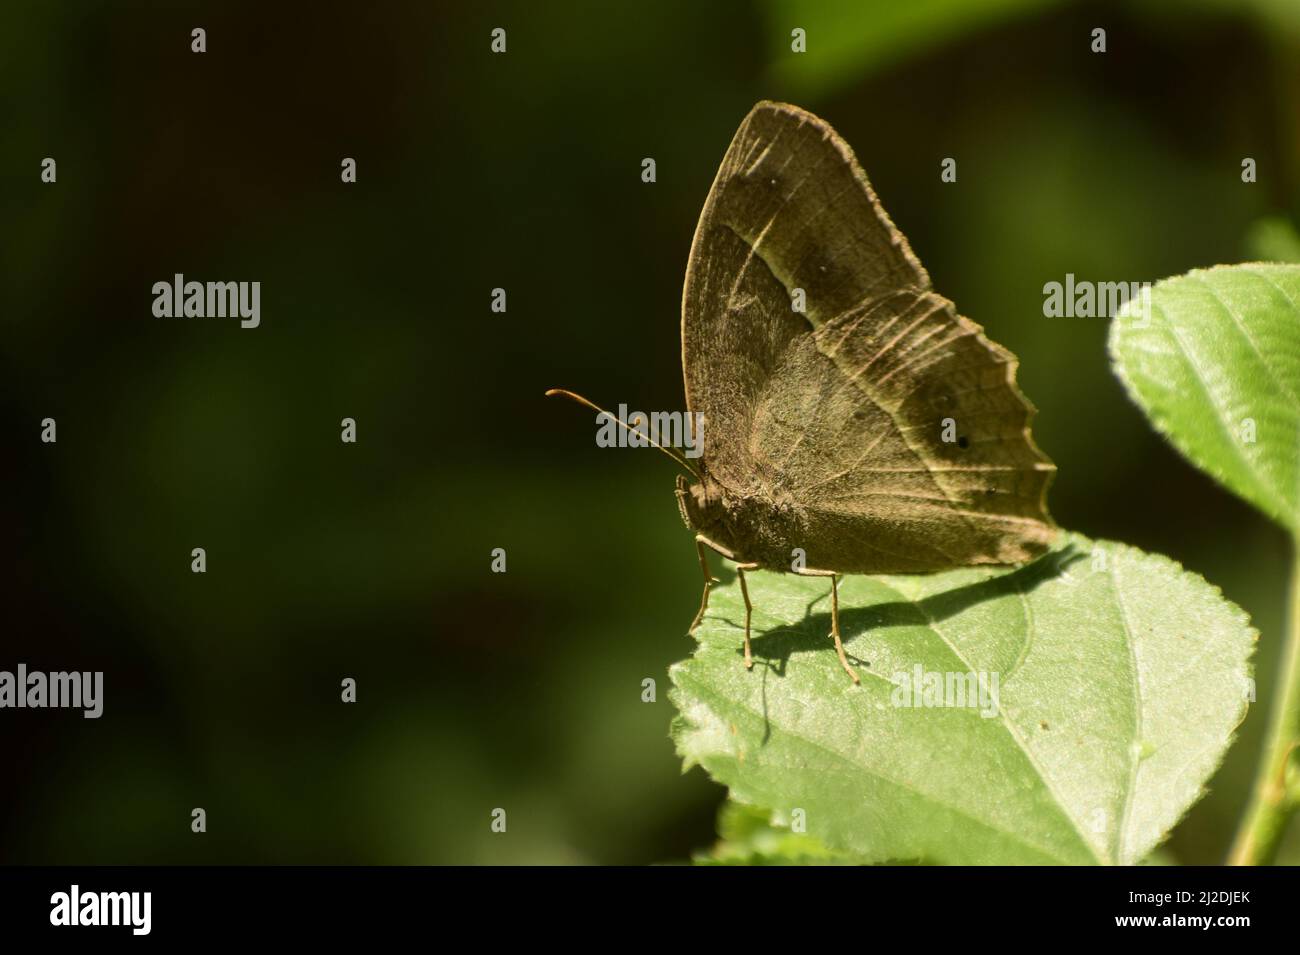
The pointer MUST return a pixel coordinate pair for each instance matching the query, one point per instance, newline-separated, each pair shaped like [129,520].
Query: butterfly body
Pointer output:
[747,528]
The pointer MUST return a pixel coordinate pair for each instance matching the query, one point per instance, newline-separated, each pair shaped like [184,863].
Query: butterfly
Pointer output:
[854,422]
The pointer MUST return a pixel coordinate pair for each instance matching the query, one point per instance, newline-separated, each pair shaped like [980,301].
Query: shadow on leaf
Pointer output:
[773,648]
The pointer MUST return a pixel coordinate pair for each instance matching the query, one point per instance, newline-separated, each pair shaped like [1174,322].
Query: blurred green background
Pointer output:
[519,690]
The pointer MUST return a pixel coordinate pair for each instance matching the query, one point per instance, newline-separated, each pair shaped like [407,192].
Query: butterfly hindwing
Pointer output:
[887,424]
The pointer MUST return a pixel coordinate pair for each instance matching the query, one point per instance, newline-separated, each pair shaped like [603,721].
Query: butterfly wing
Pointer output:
[887,424]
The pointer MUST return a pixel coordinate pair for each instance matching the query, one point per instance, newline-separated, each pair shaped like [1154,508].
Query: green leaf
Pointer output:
[1119,680]
[1216,367]
[749,835]
[1273,239]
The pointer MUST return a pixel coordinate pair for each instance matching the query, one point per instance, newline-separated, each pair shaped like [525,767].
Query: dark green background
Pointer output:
[325,560]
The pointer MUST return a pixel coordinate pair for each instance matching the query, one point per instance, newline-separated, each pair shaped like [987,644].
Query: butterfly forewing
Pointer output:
[884,429]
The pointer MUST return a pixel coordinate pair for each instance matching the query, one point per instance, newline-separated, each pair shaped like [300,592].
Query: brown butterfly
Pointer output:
[856,424]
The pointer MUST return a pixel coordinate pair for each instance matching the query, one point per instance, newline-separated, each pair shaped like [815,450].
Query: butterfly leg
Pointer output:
[835,628]
[709,581]
[835,618]
[749,610]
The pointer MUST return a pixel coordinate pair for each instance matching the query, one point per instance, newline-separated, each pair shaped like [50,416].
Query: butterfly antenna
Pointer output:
[671,452]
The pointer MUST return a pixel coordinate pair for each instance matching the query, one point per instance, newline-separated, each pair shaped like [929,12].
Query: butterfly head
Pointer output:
[700,505]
